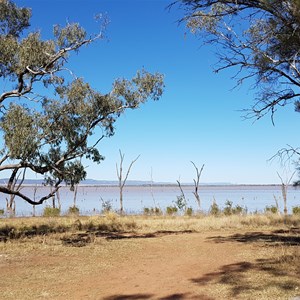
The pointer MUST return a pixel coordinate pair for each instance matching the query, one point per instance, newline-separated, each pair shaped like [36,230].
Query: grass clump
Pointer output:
[73,210]
[271,209]
[51,212]
[189,211]
[296,210]
[214,209]
[171,210]
[106,206]
[152,211]
[229,209]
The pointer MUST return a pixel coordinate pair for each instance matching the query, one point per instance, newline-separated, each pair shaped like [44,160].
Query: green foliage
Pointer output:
[296,210]
[106,206]
[68,36]
[51,212]
[1,212]
[171,210]
[189,211]
[229,209]
[73,210]
[180,203]
[48,117]
[214,209]
[13,19]
[271,209]
[152,211]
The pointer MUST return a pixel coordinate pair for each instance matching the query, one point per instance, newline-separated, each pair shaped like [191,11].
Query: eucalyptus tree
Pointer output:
[51,119]
[259,39]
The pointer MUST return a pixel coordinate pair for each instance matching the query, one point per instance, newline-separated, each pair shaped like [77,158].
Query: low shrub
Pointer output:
[152,211]
[189,212]
[296,210]
[73,210]
[229,209]
[214,209]
[180,203]
[239,210]
[106,206]
[1,212]
[271,209]
[51,212]
[171,210]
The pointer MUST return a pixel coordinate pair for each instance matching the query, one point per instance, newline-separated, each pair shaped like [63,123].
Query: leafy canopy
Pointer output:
[49,132]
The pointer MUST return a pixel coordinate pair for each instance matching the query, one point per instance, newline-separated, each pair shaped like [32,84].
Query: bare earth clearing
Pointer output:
[214,264]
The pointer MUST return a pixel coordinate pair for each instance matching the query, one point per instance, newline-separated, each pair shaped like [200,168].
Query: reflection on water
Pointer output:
[137,197]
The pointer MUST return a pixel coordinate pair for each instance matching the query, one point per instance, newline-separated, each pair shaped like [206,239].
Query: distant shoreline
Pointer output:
[137,183]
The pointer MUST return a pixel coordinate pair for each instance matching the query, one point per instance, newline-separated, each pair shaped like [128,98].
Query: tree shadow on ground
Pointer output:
[178,296]
[249,278]
[11,232]
[83,239]
[83,234]
[278,237]
[280,271]
[129,297]
[134,235]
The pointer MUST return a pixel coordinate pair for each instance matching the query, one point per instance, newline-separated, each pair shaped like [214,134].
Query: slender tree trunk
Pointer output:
[284,188]
[196,184]
[75,195]
[120,177]
[121,201]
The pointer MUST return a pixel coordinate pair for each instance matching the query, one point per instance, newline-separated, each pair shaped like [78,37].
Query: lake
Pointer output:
[89,198]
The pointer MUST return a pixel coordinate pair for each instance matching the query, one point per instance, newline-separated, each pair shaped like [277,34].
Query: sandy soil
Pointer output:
[164,265]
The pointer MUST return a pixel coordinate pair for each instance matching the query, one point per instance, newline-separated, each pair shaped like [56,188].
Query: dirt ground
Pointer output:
[163,265]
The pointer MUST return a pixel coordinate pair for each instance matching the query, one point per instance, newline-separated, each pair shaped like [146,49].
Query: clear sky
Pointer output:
[198,118]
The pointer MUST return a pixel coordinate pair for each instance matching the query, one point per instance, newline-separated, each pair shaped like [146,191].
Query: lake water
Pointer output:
[135,198]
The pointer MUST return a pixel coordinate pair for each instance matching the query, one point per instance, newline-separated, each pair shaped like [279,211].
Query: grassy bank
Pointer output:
[15,228]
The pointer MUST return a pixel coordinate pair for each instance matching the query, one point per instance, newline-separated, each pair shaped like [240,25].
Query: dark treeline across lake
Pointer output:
[253,197]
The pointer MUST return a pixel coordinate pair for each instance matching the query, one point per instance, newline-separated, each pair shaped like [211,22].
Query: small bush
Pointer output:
[73,210]
[296,210]
[171,210]
[180,202]
[1,212]
[214,209]
[106,206]
[271,209]
[239,210]
[152,211]
[227,211]
[189,212]
[147,211]
[51,212]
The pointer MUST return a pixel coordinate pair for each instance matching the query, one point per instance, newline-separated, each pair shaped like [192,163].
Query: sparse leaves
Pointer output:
[259,39]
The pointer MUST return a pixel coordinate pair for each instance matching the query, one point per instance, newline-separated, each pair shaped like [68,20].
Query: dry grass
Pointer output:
[268,270]
[14,228]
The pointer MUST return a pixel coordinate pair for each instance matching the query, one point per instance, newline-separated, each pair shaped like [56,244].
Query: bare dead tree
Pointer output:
[284,187]
[122,180]
[196,183]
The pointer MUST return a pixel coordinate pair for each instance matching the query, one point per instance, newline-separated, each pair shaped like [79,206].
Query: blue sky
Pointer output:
[198,118]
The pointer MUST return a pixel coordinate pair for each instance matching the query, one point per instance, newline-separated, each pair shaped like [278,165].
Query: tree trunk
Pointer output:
[121,201]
